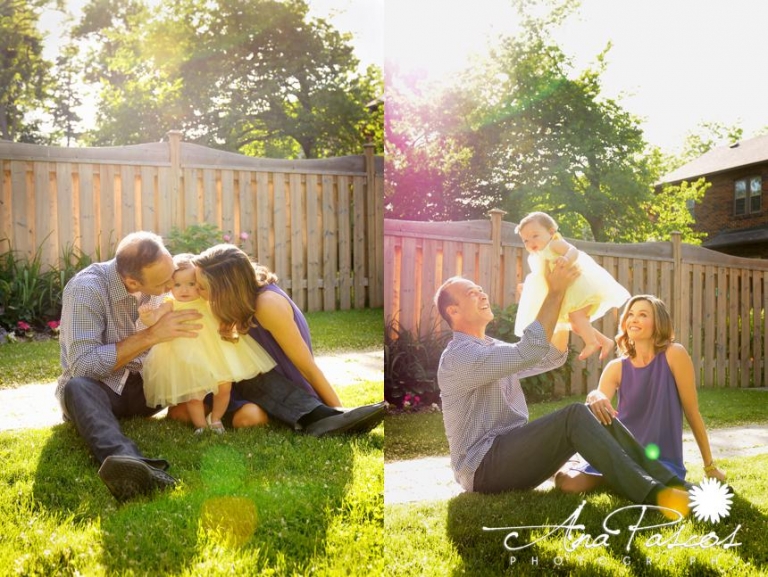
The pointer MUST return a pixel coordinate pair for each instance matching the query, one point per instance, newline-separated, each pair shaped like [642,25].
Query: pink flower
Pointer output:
[416,400]
[53,325]
[23,326]
[244,236]
[227,238]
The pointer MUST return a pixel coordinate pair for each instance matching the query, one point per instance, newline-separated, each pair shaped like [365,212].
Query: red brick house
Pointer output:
[734,211]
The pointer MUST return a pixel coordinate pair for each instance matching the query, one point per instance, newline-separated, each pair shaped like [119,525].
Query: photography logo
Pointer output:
[710,500]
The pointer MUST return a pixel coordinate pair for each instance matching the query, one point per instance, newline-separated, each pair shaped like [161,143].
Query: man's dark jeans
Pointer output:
[94,409]
[529,455]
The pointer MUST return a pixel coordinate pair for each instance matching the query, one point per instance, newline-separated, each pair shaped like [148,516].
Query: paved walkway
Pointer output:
[431,478]
[35,406]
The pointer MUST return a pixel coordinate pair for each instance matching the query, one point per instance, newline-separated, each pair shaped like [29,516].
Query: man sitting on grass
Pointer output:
[493,446]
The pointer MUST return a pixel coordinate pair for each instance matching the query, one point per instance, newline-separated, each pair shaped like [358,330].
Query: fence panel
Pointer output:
[718,301]
[316,223]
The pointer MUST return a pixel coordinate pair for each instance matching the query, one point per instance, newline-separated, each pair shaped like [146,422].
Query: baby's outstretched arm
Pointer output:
[568,253]
[149,316]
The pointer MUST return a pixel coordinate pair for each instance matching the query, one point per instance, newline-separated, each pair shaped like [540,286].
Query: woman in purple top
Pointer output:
[654,378]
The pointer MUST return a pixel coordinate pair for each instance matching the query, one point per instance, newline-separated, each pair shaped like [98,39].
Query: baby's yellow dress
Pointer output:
[187,368]
[594,287]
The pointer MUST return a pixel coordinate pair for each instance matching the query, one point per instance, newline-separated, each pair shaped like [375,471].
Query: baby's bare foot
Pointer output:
[606,346]
[588,350]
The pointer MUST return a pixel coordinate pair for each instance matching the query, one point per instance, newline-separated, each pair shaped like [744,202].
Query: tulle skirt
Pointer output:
[183,369]
[594,288]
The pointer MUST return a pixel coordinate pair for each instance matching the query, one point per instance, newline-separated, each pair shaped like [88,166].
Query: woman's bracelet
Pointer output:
[710,467]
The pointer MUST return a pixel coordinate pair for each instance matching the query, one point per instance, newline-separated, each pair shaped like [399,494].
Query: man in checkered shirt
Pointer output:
[493,446]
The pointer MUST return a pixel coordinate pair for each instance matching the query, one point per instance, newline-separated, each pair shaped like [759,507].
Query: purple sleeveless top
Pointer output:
[284,365]
[650,407]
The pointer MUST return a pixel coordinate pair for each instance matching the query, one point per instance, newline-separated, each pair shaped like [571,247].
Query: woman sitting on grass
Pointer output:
[244,298]
[655,381]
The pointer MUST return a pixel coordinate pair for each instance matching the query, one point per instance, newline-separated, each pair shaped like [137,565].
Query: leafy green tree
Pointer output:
[24,73]
[527,132]
[252,76]
[561,146]
[706,136]
[138,101]
[66,96]
[434,159]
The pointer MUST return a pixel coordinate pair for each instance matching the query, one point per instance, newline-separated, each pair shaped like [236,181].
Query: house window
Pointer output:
[748,194]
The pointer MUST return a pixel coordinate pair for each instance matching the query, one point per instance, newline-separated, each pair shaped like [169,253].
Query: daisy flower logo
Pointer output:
[711,500]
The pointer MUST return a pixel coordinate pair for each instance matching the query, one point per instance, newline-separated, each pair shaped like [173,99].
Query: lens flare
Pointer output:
[652,451]
[232,519]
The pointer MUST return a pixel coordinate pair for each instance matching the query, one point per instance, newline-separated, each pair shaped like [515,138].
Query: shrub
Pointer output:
[194,239]
[410,365]
[31,295]
[27,293]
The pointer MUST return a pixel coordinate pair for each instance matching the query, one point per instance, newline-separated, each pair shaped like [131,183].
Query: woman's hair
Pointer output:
[541,217]
[233,283]
[663,333]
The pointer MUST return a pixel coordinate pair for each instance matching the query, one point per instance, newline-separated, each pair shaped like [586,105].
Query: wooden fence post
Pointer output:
[174,186]
[375,229]
[497,284]
[677,287]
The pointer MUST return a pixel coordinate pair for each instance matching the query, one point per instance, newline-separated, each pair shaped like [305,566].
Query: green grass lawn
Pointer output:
[265,501]
[334,332]
[447,537]
[416,435]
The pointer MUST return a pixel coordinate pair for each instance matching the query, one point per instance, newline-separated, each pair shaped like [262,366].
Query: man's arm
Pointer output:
[558,281]
[84,324]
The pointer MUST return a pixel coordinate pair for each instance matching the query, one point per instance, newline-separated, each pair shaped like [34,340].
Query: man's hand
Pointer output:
[176,324]
[558,280]
[561,277]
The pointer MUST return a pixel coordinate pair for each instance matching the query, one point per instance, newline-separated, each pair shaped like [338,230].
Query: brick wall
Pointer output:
[715,213]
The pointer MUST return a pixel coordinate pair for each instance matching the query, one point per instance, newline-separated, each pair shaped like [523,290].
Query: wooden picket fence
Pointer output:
[718,302]
[316,223]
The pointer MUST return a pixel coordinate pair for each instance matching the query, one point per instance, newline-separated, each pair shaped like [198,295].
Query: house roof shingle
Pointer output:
[720,158]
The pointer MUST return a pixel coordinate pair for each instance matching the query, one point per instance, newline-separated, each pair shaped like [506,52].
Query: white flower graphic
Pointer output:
[711,500]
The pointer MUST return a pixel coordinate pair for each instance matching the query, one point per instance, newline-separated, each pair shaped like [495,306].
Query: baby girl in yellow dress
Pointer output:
[590,296]
[185,370]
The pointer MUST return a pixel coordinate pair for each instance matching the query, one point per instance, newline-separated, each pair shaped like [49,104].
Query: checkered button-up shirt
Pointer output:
[97,313]
[480,389]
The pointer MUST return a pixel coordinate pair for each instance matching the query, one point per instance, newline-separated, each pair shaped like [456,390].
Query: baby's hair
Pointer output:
[541,217]
[183,261]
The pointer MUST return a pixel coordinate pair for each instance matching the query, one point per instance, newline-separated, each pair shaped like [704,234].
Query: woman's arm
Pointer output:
[275,314]
[599,400]
[681,365]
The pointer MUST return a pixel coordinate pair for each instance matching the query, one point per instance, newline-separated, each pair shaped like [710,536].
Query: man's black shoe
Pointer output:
[128,477]
[357,420]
